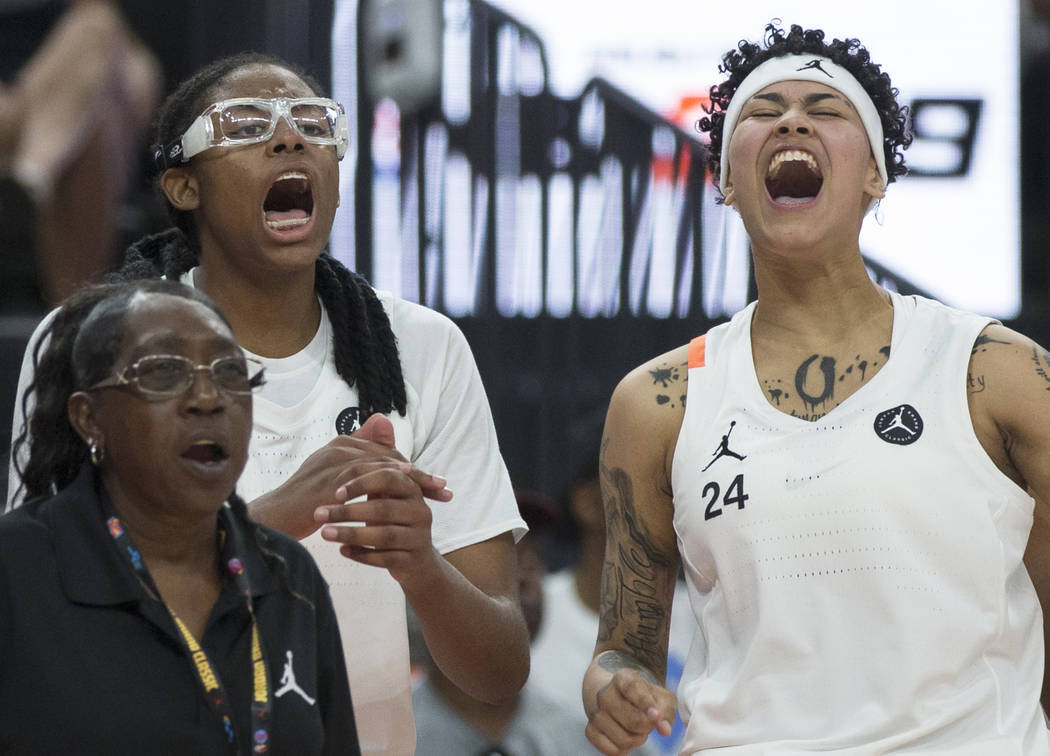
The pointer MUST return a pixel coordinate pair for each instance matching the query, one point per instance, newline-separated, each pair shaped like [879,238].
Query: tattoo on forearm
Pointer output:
[609,604]
[613,661]
[672,378]
[1042,364]
[981,345]
[639,601]
[974,383]
[630,594]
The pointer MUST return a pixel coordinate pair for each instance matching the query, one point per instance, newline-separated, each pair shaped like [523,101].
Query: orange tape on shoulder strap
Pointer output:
[698,351]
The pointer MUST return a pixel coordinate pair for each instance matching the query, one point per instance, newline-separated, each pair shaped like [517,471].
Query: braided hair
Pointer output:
[75,350]
[365,350]
[848,53]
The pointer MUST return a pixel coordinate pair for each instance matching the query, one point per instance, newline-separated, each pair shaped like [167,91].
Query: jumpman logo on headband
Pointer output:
[815,63]
[723,449]
[288,683]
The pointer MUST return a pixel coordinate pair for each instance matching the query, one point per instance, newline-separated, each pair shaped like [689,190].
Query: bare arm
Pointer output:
[466,601]
[622,690]
[472,621]
[1009,398]
[320,480]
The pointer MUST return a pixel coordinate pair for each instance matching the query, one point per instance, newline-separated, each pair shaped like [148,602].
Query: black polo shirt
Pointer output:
[90,664]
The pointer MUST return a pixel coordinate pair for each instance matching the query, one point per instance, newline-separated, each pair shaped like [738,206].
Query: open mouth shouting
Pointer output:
[793,178]
[290,202]
[206,454]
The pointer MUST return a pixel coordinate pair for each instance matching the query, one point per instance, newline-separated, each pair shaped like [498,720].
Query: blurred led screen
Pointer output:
[950,228]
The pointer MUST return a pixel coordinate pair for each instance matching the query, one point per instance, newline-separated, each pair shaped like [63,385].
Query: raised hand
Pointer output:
[629,707]
[384,502]
[319,482]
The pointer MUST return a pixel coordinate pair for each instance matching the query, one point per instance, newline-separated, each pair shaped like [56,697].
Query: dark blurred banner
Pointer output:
[526,180]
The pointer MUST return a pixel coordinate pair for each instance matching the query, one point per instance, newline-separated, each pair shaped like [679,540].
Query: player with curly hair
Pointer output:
[738,63]
[848,477]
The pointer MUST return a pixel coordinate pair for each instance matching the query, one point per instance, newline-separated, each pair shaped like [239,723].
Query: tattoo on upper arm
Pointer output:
[1042,364]
[664,376]
[630,591]
[670,382]
[974,383]
[981,345]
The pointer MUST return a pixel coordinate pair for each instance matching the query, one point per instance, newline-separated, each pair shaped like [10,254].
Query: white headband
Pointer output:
[804,68]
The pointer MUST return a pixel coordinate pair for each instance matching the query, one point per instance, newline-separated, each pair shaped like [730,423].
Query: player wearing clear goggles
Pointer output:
[248,120]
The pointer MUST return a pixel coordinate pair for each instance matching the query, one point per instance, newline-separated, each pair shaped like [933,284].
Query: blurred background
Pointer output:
[532,169]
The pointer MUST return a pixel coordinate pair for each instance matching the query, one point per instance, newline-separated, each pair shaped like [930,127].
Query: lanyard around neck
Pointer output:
[205,670]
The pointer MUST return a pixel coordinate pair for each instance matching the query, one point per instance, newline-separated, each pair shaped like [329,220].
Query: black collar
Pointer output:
[91,568]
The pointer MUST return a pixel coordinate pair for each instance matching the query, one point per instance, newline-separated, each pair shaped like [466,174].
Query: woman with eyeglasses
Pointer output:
[142,611]
[248,153]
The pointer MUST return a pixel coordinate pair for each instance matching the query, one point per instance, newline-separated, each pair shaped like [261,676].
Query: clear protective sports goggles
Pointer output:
[248,120]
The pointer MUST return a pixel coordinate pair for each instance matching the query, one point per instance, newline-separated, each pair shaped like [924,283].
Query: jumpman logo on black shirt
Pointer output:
[288,683]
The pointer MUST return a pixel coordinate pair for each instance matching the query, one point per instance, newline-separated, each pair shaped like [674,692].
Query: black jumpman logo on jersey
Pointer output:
[815,63]
[723,449]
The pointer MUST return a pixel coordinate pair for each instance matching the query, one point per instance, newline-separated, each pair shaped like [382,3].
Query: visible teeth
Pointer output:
[289,223]
[782,157]
[205,452]
[292,175]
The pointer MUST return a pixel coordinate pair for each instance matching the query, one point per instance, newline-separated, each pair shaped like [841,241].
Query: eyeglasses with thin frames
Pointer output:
[162,376]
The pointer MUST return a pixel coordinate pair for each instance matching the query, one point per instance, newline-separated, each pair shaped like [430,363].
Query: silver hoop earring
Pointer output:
[98,453]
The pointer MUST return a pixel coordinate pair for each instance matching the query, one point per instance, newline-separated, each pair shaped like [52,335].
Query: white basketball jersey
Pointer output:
[857,581]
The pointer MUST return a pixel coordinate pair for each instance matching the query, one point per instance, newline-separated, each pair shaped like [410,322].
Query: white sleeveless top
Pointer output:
[857,581]
[447,430]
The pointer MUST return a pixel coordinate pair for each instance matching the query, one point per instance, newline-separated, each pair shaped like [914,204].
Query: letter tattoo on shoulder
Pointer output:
[629,591]
[1041,358]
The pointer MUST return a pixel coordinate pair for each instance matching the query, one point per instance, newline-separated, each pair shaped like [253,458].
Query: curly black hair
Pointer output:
[848,53]
[365,350]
